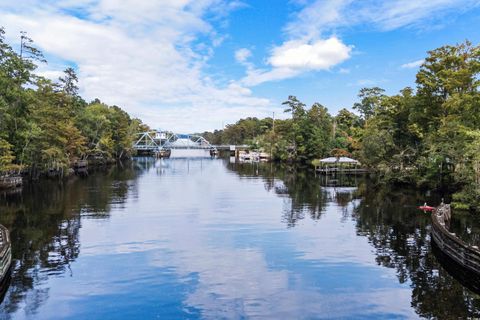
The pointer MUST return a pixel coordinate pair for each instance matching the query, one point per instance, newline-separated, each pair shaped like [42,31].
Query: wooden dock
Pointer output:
[342,165]
[448,243]
[341,170]
[5,253]
[466,277]
[10,182]
[81,167]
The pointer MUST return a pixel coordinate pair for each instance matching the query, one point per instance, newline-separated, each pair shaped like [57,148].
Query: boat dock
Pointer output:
[341,170]
[465,255]
[338,165]
[5,253]
[81,167]
[11,182]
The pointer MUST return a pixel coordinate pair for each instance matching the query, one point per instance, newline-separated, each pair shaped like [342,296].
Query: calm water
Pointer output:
[203,238]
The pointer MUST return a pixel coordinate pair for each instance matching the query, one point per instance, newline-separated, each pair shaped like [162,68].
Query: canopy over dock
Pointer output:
[339,160]
[338,164]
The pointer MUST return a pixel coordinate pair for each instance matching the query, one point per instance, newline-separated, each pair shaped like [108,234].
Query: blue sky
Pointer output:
[193,65]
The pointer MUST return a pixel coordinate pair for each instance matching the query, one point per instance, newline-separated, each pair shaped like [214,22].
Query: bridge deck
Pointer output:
[155,141]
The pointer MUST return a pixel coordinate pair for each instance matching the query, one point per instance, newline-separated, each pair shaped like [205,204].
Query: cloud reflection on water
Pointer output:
[228,230]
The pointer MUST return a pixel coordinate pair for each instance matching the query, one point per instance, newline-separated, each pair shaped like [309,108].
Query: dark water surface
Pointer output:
[204,238]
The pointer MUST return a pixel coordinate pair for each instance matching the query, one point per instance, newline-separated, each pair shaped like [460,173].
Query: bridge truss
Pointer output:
[155,141]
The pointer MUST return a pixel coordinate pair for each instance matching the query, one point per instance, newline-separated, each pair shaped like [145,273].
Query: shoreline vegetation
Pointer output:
[46,127]
[426,137]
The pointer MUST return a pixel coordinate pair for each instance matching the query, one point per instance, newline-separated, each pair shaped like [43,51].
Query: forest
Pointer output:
[46,125]
[427,136]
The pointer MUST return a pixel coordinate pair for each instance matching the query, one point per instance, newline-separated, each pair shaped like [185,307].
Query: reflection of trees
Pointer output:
[388,217]
[306,192]
[401,237]
[103,189]
[44,222]
[466,226]
[303,193]
[143,164]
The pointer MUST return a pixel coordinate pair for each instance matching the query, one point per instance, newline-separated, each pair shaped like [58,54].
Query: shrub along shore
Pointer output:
[45,126]
[427,136]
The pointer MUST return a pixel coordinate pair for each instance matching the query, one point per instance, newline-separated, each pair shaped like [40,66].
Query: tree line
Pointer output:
[45,125]
[427,136]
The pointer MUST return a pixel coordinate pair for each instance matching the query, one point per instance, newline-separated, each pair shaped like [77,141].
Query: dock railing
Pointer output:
[5,252]
[462,253]
[10,182]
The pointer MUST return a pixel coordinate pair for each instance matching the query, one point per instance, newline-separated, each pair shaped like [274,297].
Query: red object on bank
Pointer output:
[426,208]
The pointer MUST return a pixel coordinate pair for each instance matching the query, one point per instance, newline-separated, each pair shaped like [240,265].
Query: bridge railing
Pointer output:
[149,141]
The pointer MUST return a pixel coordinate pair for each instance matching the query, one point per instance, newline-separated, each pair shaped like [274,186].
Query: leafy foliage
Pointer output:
[46,125]
[428,136]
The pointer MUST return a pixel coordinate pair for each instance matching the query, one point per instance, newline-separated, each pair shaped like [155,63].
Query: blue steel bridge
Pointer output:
[156,141]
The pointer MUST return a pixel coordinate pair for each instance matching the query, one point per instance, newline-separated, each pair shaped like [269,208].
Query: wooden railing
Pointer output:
[80,164]
[5,252]
[10,182]
[462,253]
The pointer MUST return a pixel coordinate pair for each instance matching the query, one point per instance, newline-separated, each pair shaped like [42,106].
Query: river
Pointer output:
[206,238]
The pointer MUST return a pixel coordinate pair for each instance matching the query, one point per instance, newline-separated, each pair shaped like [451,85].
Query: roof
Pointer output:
[339,160]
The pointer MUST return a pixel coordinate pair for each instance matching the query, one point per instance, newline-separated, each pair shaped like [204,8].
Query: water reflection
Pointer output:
[467,227]
[399,233]
[401,238]
[206,238]
[44,222]
[467,278]
[303,193]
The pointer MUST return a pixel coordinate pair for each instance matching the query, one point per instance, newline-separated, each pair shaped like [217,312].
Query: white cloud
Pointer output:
[413,64]
[150,57]
[307,47]
[258,76]
[314,18]
[365,82]
[242,55]
[320,16]
[46,71]
[390,15]
[296,57]
[316,55]
[144,56]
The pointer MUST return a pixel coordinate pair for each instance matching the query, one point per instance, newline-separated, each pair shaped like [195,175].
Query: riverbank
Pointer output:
[10,182]
[13,181]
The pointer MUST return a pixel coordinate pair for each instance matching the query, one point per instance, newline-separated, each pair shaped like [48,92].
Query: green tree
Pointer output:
[6,156]
[295,107]
[370,102]
[346,132]
[448,85]
[51,144]
[69,82]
